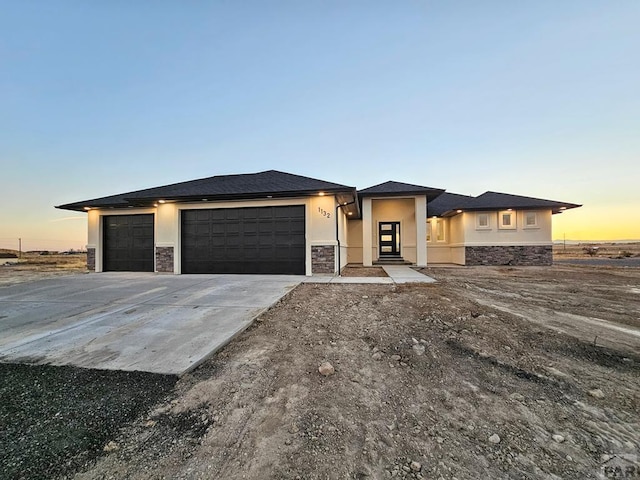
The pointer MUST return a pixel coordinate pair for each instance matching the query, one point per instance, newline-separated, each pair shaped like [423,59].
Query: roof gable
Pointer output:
[391,189]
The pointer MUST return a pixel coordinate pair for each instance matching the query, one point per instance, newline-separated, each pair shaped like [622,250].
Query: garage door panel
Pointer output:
[128,243]
[215,242]
[244,240]
[250,213]
[205,215]
[297,251]
[199,229]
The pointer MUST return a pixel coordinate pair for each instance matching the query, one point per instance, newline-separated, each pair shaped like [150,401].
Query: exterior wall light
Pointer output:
[87,208]
[162,201]
[563,208]
[458,211]
[321,194]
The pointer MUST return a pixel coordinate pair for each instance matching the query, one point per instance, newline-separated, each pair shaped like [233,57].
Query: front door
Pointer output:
[389,239]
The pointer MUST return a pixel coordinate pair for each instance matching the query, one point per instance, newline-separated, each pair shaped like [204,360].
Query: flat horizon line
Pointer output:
[561,241]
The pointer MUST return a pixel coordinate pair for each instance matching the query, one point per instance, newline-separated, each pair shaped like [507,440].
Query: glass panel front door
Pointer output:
[389,239]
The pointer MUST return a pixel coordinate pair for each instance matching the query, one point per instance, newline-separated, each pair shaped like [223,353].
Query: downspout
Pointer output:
[338,233]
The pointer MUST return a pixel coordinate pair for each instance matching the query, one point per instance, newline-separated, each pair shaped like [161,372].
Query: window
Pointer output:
[439,230]
[507,220]
[482,221]
[530,220]
[436,230]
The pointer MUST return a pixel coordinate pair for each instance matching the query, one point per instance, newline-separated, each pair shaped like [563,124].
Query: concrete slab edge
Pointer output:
[227,341]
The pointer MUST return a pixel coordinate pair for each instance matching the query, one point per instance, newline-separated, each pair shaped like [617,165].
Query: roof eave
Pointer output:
[150,201]
[430,194]
[242,196]
[72,207]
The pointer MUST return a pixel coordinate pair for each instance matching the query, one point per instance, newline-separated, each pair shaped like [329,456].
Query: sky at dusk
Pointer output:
[537,98]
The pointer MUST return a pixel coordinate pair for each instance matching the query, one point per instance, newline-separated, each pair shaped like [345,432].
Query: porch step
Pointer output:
[392,261]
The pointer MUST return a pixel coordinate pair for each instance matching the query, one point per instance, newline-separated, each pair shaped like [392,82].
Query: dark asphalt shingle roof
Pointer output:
[398,188]
[507,200]
[273,183]
[446,202]
[251,185]
[449,202]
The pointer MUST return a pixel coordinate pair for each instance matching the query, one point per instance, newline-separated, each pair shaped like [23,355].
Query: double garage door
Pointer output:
[227,240]
[244,240]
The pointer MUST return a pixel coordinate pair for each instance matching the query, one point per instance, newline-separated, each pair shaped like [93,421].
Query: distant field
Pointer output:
[602,250]
[36,265]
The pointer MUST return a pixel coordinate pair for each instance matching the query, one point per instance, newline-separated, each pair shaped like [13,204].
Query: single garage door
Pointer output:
[128,243]
[244,240]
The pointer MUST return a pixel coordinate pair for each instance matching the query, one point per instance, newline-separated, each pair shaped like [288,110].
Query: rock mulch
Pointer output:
[56,420]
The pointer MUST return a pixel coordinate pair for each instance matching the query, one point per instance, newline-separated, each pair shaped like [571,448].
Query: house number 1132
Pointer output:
[324,213]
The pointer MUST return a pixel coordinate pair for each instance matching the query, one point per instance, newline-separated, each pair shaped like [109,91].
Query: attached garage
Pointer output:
[258,240]
[128,243]
[267,222]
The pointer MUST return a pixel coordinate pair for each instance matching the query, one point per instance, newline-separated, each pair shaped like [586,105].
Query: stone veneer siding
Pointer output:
[164,259]
[323,259]
[509,255]
[91,259]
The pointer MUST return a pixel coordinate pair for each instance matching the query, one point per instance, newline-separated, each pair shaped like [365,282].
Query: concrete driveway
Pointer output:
[131,321]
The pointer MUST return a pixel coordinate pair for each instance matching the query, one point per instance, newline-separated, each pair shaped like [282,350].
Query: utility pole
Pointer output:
[564,248]
[19,248]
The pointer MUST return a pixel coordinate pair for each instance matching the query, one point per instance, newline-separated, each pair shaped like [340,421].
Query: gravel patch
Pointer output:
[57,420]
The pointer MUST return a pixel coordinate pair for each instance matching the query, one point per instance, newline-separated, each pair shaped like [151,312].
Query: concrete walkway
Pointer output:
[396,274]
[404,274]
[131,321]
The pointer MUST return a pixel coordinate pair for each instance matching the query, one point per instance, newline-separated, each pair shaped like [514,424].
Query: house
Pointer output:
[279,223]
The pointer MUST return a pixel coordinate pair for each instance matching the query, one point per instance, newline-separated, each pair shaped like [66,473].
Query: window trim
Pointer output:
[513,225]
[535,219]
[483,227]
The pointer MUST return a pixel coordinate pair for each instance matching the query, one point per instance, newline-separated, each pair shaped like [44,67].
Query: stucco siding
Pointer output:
[456,228]
[520,235]
[354,235]
[439,254]
[458,255]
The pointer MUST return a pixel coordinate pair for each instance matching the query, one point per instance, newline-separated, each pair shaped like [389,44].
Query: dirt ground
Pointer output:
[431,381]
[34,266]
[490,373]
[360,271]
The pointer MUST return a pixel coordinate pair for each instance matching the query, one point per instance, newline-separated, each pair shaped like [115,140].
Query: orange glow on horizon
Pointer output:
[592,223]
